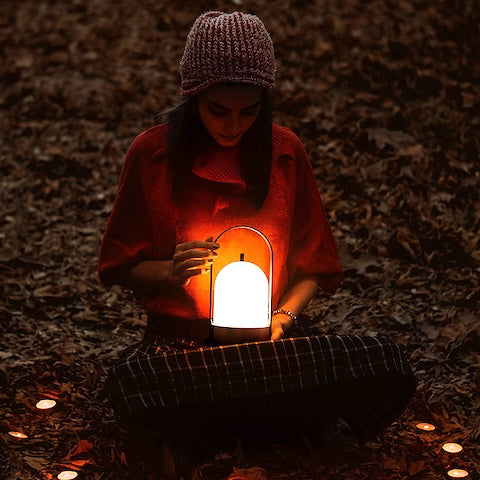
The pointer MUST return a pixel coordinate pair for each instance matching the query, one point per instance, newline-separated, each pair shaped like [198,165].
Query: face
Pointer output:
[228,111]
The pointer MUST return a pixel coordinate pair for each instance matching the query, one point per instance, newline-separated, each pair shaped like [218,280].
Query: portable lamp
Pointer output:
[241,286]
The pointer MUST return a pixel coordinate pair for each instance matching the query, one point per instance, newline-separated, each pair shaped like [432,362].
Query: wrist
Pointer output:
[284,311]
[282,320]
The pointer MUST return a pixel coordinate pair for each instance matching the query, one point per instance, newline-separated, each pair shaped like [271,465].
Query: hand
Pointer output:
[192,258]
[280,324]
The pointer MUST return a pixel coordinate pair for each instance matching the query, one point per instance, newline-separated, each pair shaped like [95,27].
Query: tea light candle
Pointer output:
[67,475]
[425,427]
[452,447]
[18,434]
[45,404]
[457,473]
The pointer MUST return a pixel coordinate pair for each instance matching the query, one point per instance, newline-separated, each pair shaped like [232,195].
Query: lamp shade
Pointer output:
[241,296]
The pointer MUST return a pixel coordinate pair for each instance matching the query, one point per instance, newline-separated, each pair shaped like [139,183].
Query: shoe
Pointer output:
[253,473]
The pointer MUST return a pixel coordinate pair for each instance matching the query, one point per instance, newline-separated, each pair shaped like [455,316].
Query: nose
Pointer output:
[232,125]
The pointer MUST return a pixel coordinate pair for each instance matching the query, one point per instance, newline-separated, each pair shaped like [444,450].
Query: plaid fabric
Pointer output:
[155,375]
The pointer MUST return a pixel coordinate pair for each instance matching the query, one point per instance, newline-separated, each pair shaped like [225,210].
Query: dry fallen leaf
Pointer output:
[385,100]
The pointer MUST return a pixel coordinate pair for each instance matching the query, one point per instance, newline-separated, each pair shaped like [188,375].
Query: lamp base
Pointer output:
[230,336]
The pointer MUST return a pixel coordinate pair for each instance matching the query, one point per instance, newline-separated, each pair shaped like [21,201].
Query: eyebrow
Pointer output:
[218,105]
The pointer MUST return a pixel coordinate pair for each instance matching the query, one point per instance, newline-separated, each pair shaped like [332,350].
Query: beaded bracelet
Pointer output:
[286,312]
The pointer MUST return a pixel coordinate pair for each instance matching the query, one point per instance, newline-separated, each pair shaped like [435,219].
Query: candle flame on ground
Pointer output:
[452,447]
[457,473]
[426,427]
[18,434]
[45,404]
[67,475]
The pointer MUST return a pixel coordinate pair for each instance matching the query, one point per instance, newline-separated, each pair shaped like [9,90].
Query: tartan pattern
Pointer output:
[156,375]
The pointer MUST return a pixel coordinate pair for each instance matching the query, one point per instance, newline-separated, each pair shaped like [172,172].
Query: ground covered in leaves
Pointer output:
[385,96]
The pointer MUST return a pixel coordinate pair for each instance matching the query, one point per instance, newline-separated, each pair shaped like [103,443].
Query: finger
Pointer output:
[193,272]
[202,266]
[192,254]
[186,276]
[197,244]
[191,265]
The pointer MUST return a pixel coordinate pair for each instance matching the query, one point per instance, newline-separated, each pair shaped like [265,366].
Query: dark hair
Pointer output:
[186,131]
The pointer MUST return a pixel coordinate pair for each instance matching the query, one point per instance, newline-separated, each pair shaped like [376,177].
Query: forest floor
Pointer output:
[385,95]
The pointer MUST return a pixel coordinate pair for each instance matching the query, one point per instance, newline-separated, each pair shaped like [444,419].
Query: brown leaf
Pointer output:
[416,467]
[37,463]
[385,101]
[82,446]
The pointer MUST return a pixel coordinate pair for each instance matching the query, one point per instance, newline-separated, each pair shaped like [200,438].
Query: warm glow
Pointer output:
[457,473]
[18,434]
[67,475]
[426,427]
[241,297]
[46,404]
[452,447]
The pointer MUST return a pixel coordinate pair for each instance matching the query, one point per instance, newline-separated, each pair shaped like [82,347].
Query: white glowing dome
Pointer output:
[241,296]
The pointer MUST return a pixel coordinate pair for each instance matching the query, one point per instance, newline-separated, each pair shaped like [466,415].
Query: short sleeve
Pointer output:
[128,237]
[312,249]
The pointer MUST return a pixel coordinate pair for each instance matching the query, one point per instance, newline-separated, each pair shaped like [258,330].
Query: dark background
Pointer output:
[385,95]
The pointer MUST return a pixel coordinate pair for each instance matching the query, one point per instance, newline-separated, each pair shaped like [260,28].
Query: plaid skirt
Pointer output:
[307,377]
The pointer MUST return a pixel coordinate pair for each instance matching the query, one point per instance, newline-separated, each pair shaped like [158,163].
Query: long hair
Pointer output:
[186,131]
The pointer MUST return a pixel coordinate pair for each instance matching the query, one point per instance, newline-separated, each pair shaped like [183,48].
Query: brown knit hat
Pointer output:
[225,48]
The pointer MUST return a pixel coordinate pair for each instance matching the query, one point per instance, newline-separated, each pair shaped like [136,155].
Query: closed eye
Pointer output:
[217,111]
[250,111]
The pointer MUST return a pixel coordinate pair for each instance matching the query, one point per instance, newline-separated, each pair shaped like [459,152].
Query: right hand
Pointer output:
[193,258]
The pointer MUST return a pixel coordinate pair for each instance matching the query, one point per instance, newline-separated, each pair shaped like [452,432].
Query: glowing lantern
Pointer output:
[241,291]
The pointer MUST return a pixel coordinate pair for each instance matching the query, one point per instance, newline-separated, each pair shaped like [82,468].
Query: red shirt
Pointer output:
[147,224]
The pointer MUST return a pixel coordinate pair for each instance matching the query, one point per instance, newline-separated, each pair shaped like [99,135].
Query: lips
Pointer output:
[229,138]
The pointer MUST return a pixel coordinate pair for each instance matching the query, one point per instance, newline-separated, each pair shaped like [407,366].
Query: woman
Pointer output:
[220,162]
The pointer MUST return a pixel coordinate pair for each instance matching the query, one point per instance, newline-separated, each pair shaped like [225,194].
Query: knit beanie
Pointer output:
[225,48]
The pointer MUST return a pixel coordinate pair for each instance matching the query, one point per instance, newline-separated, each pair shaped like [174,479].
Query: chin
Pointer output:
[227,142]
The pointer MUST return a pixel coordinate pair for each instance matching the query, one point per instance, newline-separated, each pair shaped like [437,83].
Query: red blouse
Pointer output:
[147,224]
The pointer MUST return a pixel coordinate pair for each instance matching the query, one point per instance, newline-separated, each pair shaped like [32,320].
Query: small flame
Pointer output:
[18,434]
[45,404]
[452,447]
[457,473]
[67,475]
[426,427]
